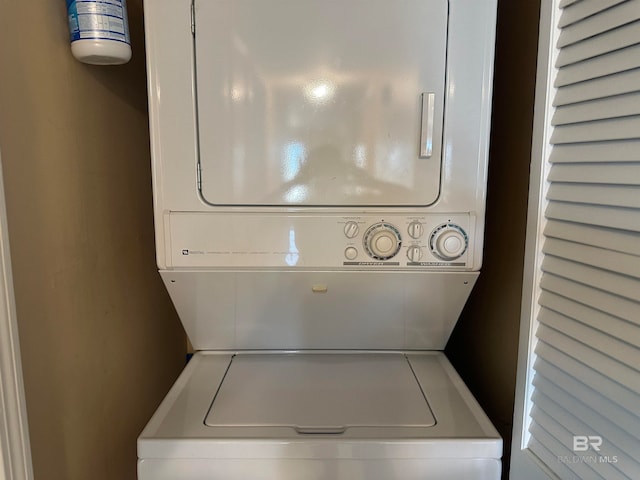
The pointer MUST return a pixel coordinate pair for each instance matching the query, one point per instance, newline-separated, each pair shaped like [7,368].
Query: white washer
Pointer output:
[319,176]
[319,416]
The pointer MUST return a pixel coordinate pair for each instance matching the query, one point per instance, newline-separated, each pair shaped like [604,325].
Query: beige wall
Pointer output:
[100,341]
[483,347]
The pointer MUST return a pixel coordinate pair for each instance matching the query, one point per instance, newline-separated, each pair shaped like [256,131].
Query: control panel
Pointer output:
[436,241]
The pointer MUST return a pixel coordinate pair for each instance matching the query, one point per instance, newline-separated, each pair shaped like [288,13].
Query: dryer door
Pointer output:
[320,102]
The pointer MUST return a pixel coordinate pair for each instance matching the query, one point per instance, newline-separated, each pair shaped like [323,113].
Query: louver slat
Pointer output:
[624,219]
[604,280]
[607,20]
[583,9]
[619,350]
[616,240]
[555,452]
[597,173]
[619,465]
[599,300]
[625,82]
[624,466]
[566,3]
[607,42]
[614,62]
[544,452]
[590,378]
[614,195]
[604,108]
[595,399]
[596,257]
[564,411]
[625,376]
[601,130]
[620,442]
[628,332]
[614,152]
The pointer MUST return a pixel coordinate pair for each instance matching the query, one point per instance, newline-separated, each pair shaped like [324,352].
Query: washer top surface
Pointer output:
[179,427]
[316,394]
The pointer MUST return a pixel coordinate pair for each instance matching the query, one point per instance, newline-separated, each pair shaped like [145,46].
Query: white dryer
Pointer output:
[319,188]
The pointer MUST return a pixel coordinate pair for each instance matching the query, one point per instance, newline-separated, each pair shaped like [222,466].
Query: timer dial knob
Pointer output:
[382,241]
[448,241]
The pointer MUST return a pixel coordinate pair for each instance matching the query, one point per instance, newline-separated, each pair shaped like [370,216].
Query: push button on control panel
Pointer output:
[351,253]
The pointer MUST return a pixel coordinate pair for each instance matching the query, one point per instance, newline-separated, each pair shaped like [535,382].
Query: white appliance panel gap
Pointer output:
[319,174]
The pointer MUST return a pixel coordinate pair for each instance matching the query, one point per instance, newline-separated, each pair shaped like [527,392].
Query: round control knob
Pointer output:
[351,229]
[382,241]
[414,254]
[415,229]
[350,253]
[448,241]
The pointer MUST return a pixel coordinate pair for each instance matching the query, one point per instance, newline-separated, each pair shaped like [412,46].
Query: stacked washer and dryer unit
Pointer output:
[319,174]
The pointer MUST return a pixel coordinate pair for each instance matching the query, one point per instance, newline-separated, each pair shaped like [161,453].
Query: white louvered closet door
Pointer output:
[578,400]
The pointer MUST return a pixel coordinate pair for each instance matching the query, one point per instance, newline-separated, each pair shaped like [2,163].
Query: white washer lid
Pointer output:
[320,393]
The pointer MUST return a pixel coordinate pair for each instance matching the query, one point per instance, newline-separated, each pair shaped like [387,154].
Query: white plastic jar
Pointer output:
[99,31]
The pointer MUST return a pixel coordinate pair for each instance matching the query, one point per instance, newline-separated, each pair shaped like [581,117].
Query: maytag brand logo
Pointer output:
[581,443]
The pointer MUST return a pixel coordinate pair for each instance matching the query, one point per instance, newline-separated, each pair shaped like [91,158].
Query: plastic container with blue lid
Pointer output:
[99,31]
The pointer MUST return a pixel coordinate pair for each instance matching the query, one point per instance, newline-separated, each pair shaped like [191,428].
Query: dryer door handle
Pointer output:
[426,128]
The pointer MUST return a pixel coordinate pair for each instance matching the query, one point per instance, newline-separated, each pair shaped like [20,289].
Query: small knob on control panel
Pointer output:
[448,241]
[351,229]
[415,229]
[382,241]
[414,254]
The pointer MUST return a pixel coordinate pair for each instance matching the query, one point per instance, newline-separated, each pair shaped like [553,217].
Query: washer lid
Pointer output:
[315,393]
[320,103]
